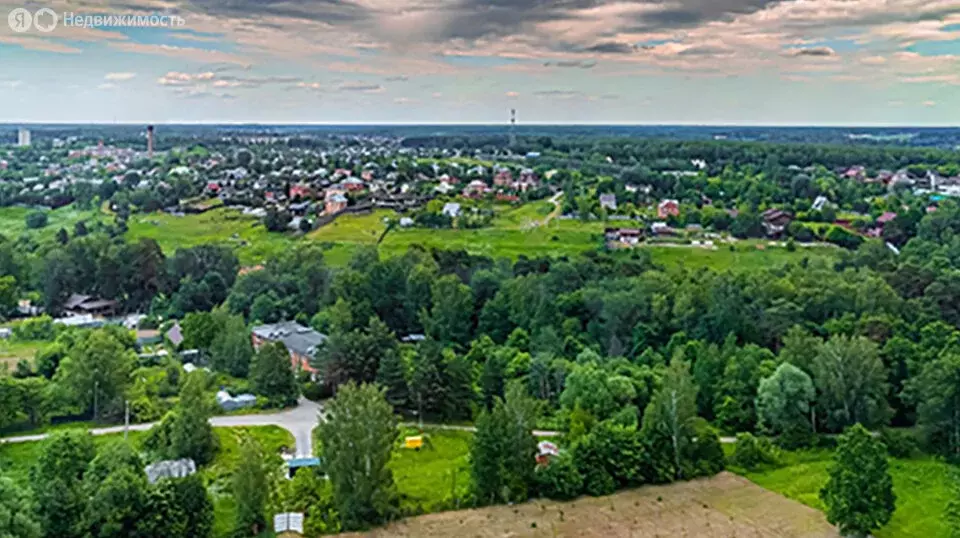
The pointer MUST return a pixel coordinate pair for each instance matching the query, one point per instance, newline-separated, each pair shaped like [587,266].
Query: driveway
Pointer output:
[299,421]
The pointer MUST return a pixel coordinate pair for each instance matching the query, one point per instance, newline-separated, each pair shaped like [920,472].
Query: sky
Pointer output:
[749,62]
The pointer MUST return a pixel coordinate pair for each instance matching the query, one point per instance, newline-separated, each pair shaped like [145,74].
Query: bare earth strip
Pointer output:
[725,506]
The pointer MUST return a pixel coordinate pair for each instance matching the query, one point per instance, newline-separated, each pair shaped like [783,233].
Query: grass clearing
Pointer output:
[13,351]
[430,479]
[921,486]
[13,221]
[719,507]
[246,234]
[744,257]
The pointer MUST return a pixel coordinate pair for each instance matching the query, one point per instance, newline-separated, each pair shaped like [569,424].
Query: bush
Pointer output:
[705,453]
[316,391]
[752,452]
[900,443]
[39,328]
[559,479]
[36,219]
[611,456]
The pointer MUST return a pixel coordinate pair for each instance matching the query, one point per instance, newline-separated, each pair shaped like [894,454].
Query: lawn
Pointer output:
[13,351]
[250,239]
[921,486]
[745,256]
[364,229]
[431,479]
[13,221]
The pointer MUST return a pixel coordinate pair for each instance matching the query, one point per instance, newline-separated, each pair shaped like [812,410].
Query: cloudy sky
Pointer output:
[824,62]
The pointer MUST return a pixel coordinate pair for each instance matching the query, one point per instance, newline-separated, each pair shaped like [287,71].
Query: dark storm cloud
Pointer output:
[817,52]
[691,13]
[611,47]
[473,19]
[581,64]
[470,20]
[330,11]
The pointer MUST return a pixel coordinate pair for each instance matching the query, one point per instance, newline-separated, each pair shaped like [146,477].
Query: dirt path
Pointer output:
[724,506]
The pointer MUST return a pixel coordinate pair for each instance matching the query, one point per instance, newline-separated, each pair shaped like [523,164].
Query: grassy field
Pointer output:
[921,486]
[720,507]
[746,256]
[252,241]
[515,231]
[430,478]
[12,352]
[13,221]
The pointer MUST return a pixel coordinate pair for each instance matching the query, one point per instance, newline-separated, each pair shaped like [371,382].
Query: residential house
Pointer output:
[608,201]
[170,469]
[80,305]
[301,191]
[855,172]
[662,229]
[353,184]
[444,188]
[877,229]
[335,203]
[820,203]
[503,178]
[775,221]
[626,236]
[476,189]
[668,208]
[451,209]
[302,342]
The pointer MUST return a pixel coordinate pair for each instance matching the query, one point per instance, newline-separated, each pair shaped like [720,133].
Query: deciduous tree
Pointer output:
[357,437]
[859,493]
[672,411]
[272,375]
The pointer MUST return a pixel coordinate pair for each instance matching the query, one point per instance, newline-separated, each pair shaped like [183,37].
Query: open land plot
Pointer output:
[246,234]
[13,351]
[435,475]
[723,506]
[922,487]
[13,221]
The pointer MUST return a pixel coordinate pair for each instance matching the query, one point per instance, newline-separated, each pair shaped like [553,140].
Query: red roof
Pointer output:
[886,217]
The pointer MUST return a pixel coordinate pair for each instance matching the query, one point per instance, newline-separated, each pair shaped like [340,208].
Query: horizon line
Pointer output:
[14,123]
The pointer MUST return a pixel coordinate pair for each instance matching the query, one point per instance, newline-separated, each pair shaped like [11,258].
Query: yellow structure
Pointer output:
[413,442]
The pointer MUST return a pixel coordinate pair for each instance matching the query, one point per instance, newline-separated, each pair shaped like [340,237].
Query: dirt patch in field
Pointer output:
[725,506]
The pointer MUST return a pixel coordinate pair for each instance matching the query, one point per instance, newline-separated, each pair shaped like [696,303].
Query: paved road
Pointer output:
[299,421]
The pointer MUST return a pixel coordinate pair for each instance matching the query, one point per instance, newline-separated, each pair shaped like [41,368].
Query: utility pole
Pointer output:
[126,419]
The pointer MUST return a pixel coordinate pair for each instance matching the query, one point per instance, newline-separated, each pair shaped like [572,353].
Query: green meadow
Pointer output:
[920,484]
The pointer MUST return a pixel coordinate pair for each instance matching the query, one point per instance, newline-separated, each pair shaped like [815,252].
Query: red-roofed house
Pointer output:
[302,191]
[353,184]
[668,208]
[504,178]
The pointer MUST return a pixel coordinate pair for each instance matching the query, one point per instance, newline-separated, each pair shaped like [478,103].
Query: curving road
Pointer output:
[299,421]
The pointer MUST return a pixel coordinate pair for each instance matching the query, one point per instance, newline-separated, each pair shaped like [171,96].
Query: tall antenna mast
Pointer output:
[513,127]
